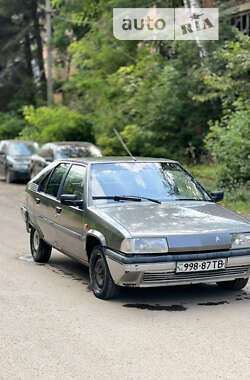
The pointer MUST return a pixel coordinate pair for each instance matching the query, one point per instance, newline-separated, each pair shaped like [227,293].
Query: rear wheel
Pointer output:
[237,284]
[101,281]
[40,250]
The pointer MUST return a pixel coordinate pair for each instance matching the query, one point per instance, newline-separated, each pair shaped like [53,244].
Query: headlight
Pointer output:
[241,240]
[144,245]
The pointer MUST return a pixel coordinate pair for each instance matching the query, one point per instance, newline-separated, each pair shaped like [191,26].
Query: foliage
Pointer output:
[227,80]
[237,199]
[228,142]
[139,91]
[56,124]
[10,126]
[159,95]
[22,74]
[226,73]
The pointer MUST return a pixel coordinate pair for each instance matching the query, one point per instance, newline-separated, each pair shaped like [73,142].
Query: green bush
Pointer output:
[228,142]
[56,124]
[10,126]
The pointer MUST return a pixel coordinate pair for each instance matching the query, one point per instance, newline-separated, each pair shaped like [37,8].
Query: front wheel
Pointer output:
[237,284]
[101,281]
[40,250]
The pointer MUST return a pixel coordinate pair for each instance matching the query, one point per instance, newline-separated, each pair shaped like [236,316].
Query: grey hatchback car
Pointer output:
[136,223]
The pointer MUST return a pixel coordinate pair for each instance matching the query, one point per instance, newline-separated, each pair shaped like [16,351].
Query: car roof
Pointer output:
[103,160]
[70,143]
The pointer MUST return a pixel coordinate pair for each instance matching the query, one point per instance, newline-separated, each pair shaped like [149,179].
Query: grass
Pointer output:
[237,200]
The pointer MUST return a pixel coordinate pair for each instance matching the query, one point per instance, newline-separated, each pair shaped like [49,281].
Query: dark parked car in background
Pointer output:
[15,158]
[60,150]
[141,223]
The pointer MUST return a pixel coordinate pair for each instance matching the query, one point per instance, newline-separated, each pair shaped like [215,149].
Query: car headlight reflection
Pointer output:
[144,245]
[241,240]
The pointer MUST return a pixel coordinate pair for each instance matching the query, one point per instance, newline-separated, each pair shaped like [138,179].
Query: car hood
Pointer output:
[19,159]
[175,218]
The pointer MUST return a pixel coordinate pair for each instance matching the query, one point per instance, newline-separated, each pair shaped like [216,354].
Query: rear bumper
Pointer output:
[153,271]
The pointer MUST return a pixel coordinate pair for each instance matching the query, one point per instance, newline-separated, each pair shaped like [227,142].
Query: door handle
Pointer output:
[58,210]
[38,200]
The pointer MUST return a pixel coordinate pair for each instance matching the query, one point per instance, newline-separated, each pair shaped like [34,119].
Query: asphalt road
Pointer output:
[52,327]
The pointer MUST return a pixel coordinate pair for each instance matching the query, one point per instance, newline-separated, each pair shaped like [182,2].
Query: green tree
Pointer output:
[22,74]
[228,142]
[45,124]
[158,94]
[10,126]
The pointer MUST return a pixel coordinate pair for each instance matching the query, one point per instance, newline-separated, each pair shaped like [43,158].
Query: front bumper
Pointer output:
[152,271]
[20,174]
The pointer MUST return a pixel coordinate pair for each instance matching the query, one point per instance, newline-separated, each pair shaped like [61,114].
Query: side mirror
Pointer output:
[71,200]
[217,196]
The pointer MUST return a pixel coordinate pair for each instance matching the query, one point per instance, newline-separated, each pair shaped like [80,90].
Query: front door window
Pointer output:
[55,179]
[74,183]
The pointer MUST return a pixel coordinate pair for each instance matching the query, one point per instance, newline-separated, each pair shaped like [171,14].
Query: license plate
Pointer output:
[200,266]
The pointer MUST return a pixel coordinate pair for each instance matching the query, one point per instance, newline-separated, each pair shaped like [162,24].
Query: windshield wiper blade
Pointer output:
[190,199]
[118,198]
[146,198]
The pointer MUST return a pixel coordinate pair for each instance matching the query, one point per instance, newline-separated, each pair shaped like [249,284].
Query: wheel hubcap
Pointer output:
[36,241]
[99,273]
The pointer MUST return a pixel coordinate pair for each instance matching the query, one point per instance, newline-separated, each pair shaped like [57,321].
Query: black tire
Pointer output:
[8,176]
[40,250]
[100,279]
[237,284]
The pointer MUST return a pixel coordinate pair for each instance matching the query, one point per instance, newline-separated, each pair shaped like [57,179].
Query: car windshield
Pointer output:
[77,151]
[22,149]
[157,180]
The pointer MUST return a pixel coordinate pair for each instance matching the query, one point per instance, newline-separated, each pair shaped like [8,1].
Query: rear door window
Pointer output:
[54,181]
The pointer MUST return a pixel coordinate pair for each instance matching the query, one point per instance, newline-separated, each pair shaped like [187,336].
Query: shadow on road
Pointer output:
[174,298]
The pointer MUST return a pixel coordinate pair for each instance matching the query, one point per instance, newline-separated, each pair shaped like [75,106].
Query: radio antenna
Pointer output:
[123,143]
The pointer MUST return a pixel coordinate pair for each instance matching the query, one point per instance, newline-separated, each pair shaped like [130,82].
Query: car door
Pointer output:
[70,221]
[47,205]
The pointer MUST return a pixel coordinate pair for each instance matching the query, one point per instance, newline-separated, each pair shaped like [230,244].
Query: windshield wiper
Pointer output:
[132,198]
[190,199]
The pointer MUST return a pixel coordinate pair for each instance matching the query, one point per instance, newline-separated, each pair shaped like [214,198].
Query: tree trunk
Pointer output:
[195,4]
[192,4]
[28,55]
[37,35]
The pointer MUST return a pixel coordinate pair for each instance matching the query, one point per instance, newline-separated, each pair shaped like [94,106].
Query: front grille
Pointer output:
[161,277]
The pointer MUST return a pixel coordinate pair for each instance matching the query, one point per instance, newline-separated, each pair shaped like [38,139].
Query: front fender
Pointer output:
[98,235]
